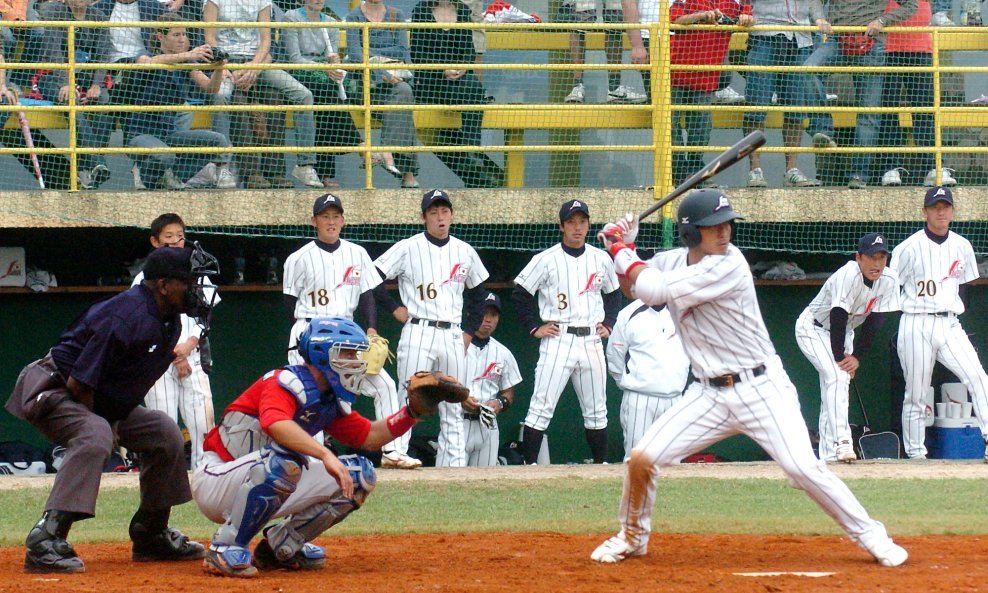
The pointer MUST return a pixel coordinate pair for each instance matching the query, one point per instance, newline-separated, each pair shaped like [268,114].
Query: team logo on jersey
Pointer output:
[956,270]
[492,373]
[868,307]
[458,274]
[351,277]
[594,284]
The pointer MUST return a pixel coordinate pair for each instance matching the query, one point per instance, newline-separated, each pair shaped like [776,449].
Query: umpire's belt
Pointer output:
[730,379]
[579,331]
[430,323]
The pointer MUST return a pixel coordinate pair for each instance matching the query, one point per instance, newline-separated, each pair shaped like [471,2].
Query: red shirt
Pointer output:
[267,400]
[910,42]
[701,47]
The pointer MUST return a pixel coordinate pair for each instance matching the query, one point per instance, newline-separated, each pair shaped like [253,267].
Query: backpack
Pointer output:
[20,458]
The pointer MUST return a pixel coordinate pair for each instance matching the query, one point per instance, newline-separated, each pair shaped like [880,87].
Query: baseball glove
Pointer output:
[377,355]
[426,390]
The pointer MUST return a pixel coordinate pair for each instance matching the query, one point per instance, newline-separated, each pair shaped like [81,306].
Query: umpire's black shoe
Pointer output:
[169,544]
[47,549]
[310,557]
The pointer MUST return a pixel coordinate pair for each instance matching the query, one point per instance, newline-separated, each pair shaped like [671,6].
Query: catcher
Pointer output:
[261,462]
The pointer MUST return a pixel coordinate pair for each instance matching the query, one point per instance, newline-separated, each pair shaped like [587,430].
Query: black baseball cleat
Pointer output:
[47,549]
[310,557]
[165,545]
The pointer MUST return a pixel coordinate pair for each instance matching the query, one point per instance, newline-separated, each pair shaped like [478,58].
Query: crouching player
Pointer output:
[261,462]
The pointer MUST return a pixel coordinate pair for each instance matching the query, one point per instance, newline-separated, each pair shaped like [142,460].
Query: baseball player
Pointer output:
[578,304]
[646,359]
[435,271]
[332,277]
[934,265]
[492,373]
[858,295]
[740,387]
[184,388]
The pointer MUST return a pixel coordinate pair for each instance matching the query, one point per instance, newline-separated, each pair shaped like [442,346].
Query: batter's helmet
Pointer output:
[320,345]
[701,208]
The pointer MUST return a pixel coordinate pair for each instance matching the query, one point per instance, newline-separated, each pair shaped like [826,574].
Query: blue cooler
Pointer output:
[956,443]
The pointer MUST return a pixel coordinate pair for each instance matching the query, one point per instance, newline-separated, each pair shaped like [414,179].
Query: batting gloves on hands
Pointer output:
[617,239]
[623,230]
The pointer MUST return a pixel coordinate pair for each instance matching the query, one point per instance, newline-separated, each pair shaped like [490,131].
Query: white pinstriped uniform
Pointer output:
[931,276]
[329,285]
[715,308]
[568,290]
[431,281]
[645,357]
[490,370]
[847,290]
[191,396]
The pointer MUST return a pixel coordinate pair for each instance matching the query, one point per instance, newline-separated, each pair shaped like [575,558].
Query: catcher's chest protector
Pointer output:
[316,409]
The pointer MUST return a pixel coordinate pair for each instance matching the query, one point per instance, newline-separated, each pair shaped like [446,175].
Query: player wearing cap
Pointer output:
[934,266]
[645,357]
[435,271]
[857,296]
[332,277]
[741,386]
[578,304]
[492,373]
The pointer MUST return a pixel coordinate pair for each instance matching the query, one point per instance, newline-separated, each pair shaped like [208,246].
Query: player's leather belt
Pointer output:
[430,323]
[730,379]
[579,331]
[467,416]
[941,314]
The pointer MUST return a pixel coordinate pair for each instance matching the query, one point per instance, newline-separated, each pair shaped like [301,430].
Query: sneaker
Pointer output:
[99,175]
[170,182]
[169,544]
[856,183]
[756,178]
[616,549]
[973,19]
[225,177]
[135,172]
[307,175]
[890,554]
[821,140]
[310,557]
[775,98]
[795,178]
[229,561]
[85,180]
[257,182]
[576,95]
[206,177]
[845,452]
[623,94]
[728,96]
[831,97]
[892,177]
[946,179]
[941,19]
[396,460]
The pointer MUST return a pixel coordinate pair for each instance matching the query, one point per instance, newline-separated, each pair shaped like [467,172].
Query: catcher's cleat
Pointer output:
[229,561]
[616,549]
[845,452]
[310,557]
[396,460]
[169,544]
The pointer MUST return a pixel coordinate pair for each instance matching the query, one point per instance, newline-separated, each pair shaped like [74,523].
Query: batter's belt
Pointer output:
[730,379]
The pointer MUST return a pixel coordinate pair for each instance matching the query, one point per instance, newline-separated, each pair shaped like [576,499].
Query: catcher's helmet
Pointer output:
[701,208]
[320,345]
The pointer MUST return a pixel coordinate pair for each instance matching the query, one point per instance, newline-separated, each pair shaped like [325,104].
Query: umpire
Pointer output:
[87,392]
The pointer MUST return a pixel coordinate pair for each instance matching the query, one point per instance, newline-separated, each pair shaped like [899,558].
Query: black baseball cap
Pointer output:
[434,196]
[326,201]
[491,300]
[872,243]
[169,262]
[572,207]
[938,194]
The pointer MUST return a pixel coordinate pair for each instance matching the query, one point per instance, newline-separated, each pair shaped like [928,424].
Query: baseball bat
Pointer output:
[729,157]
[29,140]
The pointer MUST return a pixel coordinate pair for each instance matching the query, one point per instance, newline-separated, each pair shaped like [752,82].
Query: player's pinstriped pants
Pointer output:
[923,340]
[835,384]
[639,411]
[425,348]
[481,443]
[766,408]
[570,358]
[189,396]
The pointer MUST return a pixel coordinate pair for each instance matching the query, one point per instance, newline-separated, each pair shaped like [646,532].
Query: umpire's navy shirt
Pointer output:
[119,347]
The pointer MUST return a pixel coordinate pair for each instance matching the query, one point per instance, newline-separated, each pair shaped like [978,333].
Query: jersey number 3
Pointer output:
[562,303]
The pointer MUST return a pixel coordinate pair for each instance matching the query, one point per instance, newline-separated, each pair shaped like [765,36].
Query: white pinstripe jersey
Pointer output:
[490,370]
[328,284]
[570,287]
[431,279]
[714,305]
[644,352]
[846,289]
[190,327]
[931,274]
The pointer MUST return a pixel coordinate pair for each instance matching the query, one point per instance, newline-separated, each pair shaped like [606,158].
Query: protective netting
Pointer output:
[246,94]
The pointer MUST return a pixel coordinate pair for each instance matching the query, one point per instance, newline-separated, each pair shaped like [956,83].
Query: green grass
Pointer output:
[575,505]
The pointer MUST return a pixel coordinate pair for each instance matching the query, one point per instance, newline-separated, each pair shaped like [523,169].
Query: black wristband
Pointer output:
[505,402]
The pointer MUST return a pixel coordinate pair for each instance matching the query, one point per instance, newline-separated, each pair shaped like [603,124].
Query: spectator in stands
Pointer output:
[452,87]
[915,89]
[309,46]
[779,48]
[397,127]
[127,43]
[585,12]
[159,129]
[253,46]
[7,96]
[92,129]
[855,49]
[31,39]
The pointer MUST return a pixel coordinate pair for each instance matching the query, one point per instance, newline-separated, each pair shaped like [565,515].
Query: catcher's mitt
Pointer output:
[377,355]
[427,389]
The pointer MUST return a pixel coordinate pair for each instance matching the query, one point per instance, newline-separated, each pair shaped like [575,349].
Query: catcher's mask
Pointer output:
[331,345]
[200,298]
[703,208]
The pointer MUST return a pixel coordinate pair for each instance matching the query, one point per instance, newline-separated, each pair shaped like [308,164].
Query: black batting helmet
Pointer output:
[703,207]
